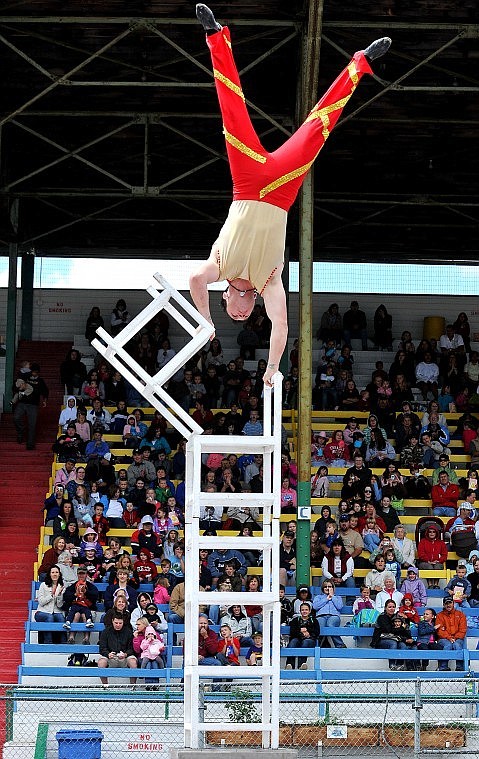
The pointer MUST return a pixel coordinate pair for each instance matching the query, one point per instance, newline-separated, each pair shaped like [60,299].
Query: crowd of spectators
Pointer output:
[147,497]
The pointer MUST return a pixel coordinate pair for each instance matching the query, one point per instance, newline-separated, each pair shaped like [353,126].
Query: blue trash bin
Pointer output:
[79,744]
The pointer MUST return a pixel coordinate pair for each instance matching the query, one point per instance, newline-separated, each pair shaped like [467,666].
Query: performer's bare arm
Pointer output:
[275,303]
[199,281]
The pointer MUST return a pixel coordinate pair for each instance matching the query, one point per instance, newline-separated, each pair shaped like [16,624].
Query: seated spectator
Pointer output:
[124,562]
[142,601]
[338,566]
[415,586]
[427,375]
[140,468]
[79,600]
[152,647]
[379,451]
[144,537]
[99,416]
[393,563]
[304,633]
[386,636]
[327,606]
[120,606]
[331,325]
[287,560]
[144,568]
[404,545]
[116,647]
[431,552]
[218,559]
[73,372]
[387,513]
[451,625]
[131,433]
[64,515]
[69,413]
[444,496]
[239,623]
[50,600]
[254,655]
[349,396]
[208,643]
[90,540]
[122,581]
[254,426]
[83,507]
[375,577]
[320,483]
[364,601]
[417,485]
[336,452]
[82,426]
[459,587]
[288,497]
[389,592]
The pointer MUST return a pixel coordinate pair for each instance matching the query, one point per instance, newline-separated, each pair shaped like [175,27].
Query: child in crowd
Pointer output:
[427,634]
[90,540]
[331,534]
[93,565]
[161,594]
[100,523]
[80,609]
[459,587]
[152,646]
[178,562]
[415,586]
[364,601]
[254,656]
[392,564]
[109,560]
[408,610]
[228,646]
[371,534]
[303,595]
[130,515]
[320,483]
[145,567]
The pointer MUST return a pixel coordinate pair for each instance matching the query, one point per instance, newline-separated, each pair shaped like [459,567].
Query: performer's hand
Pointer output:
[271,370]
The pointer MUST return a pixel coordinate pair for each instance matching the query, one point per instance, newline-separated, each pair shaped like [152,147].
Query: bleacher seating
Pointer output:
[45,661]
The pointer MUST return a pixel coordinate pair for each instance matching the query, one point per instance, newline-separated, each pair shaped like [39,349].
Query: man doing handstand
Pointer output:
[249,251]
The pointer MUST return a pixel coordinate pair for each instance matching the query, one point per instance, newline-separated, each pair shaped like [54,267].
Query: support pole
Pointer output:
[309,87]
[28,269]
[11,328]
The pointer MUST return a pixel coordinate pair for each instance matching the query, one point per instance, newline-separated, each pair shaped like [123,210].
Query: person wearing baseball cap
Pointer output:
[145,537]
[303,595]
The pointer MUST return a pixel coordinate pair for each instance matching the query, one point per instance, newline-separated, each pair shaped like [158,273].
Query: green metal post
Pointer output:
[28,268]
[309,86]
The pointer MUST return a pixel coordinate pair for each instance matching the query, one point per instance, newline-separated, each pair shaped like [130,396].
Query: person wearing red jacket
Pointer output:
[145,568]
[451,632]
[444,497]
[432,552]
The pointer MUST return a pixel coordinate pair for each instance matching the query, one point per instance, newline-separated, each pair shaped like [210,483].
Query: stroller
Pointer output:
[425,522]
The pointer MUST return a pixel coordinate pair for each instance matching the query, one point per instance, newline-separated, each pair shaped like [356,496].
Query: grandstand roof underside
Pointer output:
[111,138]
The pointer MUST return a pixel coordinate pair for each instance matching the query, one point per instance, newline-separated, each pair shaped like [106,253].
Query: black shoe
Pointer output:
[206,18]
[377,48]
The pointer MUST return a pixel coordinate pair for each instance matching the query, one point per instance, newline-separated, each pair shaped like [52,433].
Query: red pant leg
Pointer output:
[245,153]
[289,164]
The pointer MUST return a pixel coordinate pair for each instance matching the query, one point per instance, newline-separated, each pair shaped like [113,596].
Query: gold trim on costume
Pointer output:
[228,83]
[324,112]
[353,72]
[242,147]
[286,178]
[227,41]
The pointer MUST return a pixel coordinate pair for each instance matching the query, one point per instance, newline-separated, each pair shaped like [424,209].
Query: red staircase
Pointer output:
[23,485]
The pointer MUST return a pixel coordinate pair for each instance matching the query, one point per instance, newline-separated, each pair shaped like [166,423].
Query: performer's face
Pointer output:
[238,306]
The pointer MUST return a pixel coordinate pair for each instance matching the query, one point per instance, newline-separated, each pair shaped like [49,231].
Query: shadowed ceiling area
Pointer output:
[112,145]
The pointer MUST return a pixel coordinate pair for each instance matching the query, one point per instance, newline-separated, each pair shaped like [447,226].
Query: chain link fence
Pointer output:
[397,718]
